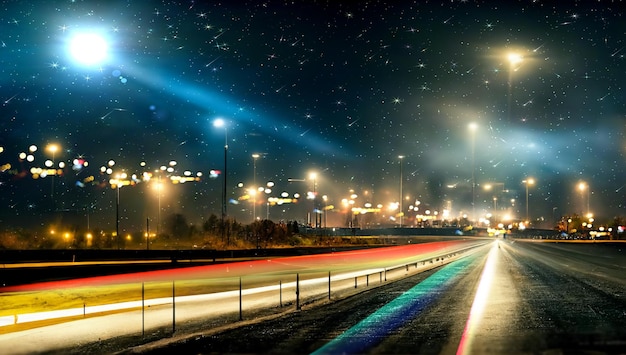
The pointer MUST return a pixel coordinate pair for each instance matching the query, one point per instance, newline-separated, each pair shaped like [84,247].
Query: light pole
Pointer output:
[528,181]
[313,176]
[490,186]
[254,158]
[117,216]
[118,182]
[401,157]
[221,123]
[52,148]
[268,190]
[582,186]
[514,59]
[472,128]
[325,198]
[159,188]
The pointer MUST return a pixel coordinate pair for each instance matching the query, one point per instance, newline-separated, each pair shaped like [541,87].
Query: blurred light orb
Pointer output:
[88,48]
[32,148]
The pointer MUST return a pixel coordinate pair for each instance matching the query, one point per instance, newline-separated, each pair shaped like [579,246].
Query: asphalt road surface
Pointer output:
[510,297]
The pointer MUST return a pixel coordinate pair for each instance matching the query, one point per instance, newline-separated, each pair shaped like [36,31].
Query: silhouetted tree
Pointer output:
[212,225]
[177,226]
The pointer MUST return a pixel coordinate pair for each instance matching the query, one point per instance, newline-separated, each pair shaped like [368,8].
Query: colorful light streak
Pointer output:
[480,301]
[377,257]
[396,313]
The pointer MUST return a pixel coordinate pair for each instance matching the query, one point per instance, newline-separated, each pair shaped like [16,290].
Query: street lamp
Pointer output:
[490,186]
[325,199]
[52,148]
[514,60]
[159,188]
[401,157]
[221,123]
[255,156]
[472,128]
[313,176]
[118,182]
[582,186]
[528,181]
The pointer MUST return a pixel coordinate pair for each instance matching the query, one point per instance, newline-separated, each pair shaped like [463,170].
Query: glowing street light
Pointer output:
[528,181]
[582,186]
[401,157]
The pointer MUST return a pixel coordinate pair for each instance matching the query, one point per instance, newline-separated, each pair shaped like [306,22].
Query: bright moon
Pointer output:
[88,48]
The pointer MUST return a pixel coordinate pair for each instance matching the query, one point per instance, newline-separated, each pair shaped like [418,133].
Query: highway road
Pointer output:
[511,297]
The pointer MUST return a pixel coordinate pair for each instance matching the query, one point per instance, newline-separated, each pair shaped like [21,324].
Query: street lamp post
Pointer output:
[582,186]
[490,186]
[118,182]
[117,217]
[254,158]
[528,181]
[52,148]
[514,59]
[401,157]
[221,123]
[159,188]
[473,127]
[325,198]
[313,176]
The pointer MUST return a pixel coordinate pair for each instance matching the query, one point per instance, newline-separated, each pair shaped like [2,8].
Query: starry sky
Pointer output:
[340,88]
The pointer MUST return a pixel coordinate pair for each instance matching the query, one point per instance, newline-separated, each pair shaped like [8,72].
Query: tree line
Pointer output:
[177,233]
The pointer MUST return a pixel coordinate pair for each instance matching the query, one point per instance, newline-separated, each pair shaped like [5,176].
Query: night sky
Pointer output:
[339,88]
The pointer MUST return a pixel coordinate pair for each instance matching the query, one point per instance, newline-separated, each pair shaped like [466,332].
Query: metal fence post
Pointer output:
[240,301]
[173,306]
[298,292]
[329,285]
